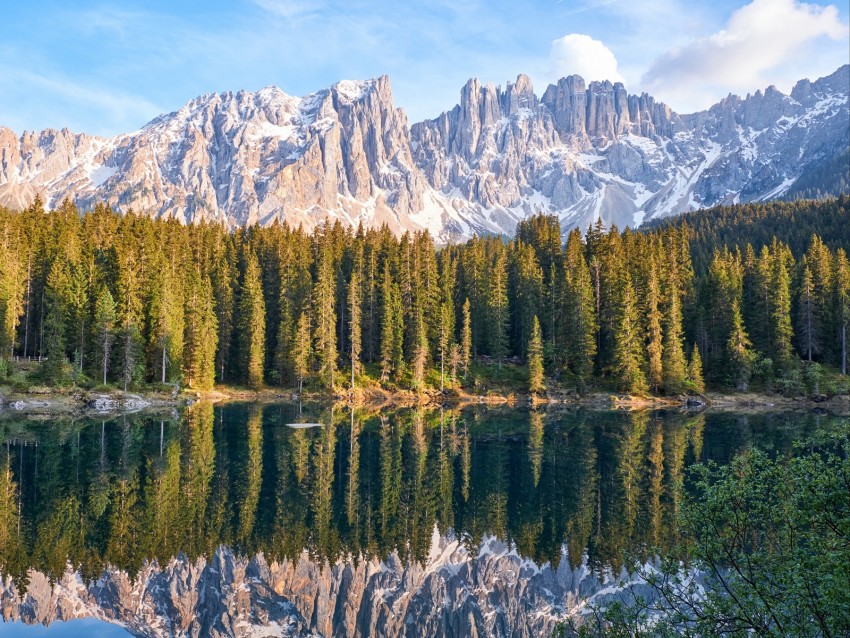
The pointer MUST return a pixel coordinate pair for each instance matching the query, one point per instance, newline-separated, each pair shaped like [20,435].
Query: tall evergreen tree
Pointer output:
[740,357]
[807,334]
[465,336]
[780,314]
[201,334]
[580,311]
[104,322]
[55,297]
[628,349]
[391,329]
[654,333]
[354,318]
[324,306]
[673,359]
[695,371]
[841,305]
[302,350]
[534,357]
[497,306]
[251,321]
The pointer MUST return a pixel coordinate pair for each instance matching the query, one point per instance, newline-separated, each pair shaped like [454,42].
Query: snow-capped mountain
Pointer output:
[579,151]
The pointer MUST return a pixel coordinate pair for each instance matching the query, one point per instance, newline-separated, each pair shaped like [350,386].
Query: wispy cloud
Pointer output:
[56,102]
[289,9]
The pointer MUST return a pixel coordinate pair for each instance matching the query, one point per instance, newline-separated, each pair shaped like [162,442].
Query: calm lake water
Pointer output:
[120,491]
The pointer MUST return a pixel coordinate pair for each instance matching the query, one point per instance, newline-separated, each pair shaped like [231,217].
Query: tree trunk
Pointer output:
[844,349]
[163,364]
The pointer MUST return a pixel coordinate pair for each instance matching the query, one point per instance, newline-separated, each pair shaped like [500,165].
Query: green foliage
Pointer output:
[127,299]
[769,542]
[535,358]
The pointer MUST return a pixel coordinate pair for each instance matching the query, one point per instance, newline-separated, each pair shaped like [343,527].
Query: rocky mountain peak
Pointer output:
[582,151]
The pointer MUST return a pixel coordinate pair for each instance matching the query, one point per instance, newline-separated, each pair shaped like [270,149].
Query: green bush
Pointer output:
[769,539]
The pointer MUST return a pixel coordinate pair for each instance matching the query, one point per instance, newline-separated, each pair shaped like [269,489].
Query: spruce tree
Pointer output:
[673,359]
[780,314]
[628,349]
[104,322]
[806,314]
[740,356]
[391,328]
[534,357]
[695,371]
[497,307]
[354,315]
[55,311]
[201,334]
[841,305]
[251,321]
[654,333]
[580,312]
[465,337]
[302,350]
[324,306]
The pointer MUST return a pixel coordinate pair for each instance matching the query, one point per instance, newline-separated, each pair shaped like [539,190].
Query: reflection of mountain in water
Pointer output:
[567,492]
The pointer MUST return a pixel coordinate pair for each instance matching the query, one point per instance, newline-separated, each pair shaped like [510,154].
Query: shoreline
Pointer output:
[47,401]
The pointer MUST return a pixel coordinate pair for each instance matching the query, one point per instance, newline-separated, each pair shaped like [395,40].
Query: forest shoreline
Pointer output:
[47,401]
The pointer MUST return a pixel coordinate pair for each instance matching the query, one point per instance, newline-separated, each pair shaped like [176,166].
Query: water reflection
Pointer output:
[124,490]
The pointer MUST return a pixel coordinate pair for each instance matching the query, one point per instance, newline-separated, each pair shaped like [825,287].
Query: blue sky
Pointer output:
[109,67]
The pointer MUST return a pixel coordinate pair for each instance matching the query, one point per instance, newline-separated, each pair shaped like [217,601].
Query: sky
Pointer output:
[110,67]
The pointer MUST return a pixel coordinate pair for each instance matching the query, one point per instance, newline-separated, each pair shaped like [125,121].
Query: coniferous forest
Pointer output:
[753,294]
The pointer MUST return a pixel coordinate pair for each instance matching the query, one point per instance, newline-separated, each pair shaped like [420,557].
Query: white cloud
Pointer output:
[288,9]
[764,42]
[580,54]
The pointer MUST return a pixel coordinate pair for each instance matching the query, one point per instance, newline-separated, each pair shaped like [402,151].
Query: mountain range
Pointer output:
[581,151]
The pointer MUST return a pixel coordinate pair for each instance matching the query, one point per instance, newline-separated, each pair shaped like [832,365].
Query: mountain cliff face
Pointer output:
[580,151]
[453,593]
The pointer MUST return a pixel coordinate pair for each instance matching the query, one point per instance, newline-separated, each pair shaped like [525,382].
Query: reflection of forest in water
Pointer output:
[123,490]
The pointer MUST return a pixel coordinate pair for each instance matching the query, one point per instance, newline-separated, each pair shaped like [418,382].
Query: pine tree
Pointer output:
[841,305]
[740,356]
[55,312]
[695,371]
[251,321]
[14,280]
[131,338]
[628,350]
[806,312]
[420,358]
[673,361]
[302,350]
[580,312]
[780,313]
[201,334]
[497,307]
[354,314]
[465,337]
[534,357]
[391,329]
[654,333]
[167,324]
[820,263]
[324,305]
[104,322]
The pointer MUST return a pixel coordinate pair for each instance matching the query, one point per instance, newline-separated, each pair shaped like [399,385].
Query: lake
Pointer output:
[233,520]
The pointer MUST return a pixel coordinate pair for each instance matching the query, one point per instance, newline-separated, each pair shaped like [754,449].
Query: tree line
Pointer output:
[126,299]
